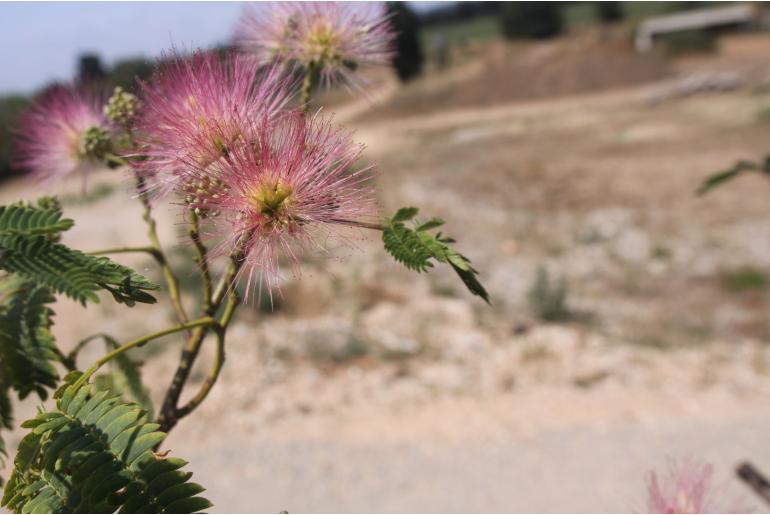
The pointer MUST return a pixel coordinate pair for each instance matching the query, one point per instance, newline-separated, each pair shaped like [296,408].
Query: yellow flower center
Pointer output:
[271,199]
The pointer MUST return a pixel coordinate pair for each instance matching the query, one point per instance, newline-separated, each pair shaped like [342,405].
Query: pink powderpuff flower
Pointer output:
[63,133]
[291,187]
[686,487]
[196,109]
[334,39]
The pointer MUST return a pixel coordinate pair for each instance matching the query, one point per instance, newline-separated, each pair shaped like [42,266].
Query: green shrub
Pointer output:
[408,57]
[10,109]
[548,300]
[688,42]
[531,20]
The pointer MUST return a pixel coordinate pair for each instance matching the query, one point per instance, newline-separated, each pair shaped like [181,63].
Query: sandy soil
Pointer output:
[370,389]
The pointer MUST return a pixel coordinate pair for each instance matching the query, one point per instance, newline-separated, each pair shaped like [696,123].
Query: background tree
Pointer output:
[408,58]
[90,68]
[533,20]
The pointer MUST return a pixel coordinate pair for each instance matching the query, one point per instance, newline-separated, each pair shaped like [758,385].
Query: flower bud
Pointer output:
[121,107]
[95,143]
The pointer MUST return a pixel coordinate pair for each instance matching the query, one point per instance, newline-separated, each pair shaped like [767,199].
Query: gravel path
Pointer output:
[569,469]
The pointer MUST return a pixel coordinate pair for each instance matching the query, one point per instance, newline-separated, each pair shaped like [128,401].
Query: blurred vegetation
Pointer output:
[10,109]
[745,278]
[547,299]
[687,42]
[531,20]
[408,58]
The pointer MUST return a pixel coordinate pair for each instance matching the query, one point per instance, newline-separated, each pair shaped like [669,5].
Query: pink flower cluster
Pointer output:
[196,108]
[224,133]
[333,38]
[684,488]
[221,133]
[51,140]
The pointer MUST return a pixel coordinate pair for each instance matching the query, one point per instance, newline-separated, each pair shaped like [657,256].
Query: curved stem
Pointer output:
[206,321]
[170,413]
[71,358]
[125,250]
[202,261]
[362,225]
[311,76]
[152,233]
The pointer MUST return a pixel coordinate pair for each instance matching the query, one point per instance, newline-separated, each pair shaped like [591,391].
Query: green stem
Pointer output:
[202,261]
[71,358]
[125,250]
[152,233]
[114,160]
[170,413]
[312,73]
[206,321]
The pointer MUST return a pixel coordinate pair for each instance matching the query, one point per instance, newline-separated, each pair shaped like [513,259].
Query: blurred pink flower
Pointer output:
[198,108]
[337,38]
[686,487]
[52,137]
[289,188]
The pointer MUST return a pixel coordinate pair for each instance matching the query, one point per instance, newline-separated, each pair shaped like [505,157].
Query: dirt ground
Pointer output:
[370,389]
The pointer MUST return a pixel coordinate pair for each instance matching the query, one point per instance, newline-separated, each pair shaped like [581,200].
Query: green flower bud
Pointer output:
[121,107]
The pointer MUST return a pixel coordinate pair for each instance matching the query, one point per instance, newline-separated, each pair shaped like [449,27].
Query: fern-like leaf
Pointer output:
[68,271]
[415,247]
[29,247]
[27,348]
[93,454]
[125,378]
[6,420]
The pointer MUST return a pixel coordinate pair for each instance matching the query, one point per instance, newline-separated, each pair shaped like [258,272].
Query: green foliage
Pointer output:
[549,301]
[408,56]
[415,247]
[6,419]
[531,20]
[93,454]
[609,12]
[125,378]
[27,348]
[28,247]
[31,221]
[11,108]
[688,42]
[737,169]
[744,278]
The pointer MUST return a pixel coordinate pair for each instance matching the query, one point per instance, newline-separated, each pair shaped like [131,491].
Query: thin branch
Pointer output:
[206,321]
[202,261]
[152,233]
[126,250]
[755,480]
[170,413]
[72,357]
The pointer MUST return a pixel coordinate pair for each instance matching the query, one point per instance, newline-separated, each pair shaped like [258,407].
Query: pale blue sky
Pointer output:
[40,41]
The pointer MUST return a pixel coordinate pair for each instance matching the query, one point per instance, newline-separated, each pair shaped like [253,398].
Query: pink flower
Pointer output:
[291,187]
[333,38]
[63,133]
[197,109]
[685,488]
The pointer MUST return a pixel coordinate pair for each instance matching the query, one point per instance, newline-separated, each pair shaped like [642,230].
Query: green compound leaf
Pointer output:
[415,247]
[94,454]
[27,348]
[29,248]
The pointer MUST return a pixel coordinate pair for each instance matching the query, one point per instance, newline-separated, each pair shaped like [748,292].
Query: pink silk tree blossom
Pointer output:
[332,39]
[292,186]
[685,487]
[62,134]
[194,110]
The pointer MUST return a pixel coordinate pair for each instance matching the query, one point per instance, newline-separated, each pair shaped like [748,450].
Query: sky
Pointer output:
[40,41]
